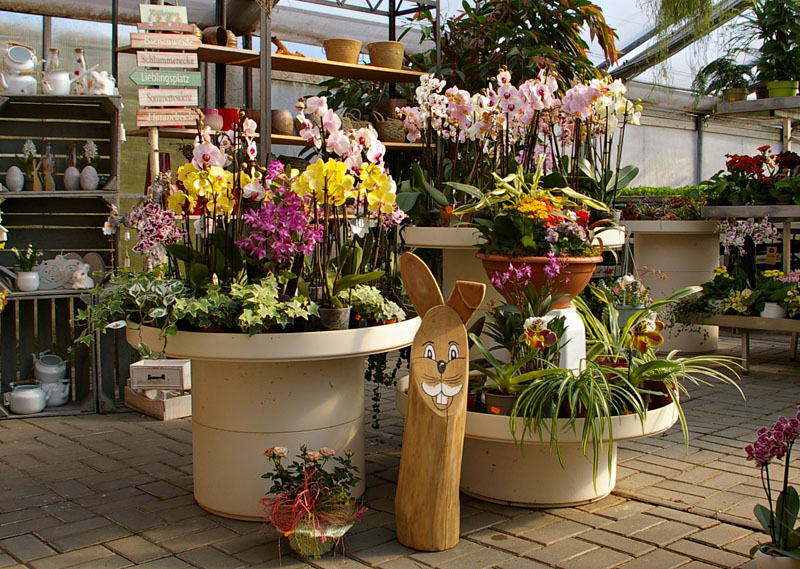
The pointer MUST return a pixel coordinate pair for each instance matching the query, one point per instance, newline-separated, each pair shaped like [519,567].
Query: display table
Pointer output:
[250,393]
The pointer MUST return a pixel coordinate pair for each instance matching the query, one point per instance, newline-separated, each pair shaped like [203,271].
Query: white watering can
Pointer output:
[22,83]
[60,82]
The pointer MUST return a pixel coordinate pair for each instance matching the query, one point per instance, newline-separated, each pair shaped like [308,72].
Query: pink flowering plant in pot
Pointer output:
[779,516]
[309,500]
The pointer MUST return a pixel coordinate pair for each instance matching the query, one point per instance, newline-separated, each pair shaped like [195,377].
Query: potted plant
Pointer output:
[724,77]
[308,504]
[27,277]
[779,516]
[542,233]
[372,307]
[29,164]
[266,237]
[628,293]
[771,293]
[776,25]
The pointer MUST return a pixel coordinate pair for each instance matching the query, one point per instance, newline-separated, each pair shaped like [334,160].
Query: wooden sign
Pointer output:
[161,13]
[166,59]
[772,255]
[164,41]
[167,97]
[166,117]
[158,78]
[165,27]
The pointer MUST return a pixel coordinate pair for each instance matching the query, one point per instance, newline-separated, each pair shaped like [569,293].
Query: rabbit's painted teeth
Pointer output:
[441,392]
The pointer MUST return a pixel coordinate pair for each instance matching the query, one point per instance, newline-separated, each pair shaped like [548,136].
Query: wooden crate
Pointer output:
[164,405]
[35,322]
[62,119]
[161,374]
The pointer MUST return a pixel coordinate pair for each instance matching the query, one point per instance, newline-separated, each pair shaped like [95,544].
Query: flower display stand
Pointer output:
[687,252]
[498,469]
[250,393]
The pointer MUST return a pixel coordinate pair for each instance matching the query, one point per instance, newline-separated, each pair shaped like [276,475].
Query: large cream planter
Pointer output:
[497,469]
[687,252]
[253,392]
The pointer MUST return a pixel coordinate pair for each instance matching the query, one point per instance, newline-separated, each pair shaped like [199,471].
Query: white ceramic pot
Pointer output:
[49,368]
[56,394]
[773,310]
[15,179]
[27,281]
[27,399]
[767,561]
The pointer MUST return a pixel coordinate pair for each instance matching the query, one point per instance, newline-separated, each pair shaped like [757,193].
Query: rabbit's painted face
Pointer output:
[440,359]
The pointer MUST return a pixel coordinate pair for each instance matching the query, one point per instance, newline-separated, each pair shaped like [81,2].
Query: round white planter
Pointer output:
[766,561]
[253,392]
[773,310]
[687,252]
[28,281]
[496,469]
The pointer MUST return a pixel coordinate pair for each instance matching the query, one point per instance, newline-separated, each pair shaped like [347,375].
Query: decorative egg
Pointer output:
[89,178]
[72,179]
[14,179]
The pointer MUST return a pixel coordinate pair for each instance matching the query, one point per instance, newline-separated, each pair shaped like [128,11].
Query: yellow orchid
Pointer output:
[647,334]
[378,187]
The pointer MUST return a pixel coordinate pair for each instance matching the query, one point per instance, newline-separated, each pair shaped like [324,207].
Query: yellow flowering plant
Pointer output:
[352,199]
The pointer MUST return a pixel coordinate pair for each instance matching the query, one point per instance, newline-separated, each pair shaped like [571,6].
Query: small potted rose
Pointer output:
[309,504]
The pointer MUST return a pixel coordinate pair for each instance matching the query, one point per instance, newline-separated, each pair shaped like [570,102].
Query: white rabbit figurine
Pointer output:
[101,83]
[81,279]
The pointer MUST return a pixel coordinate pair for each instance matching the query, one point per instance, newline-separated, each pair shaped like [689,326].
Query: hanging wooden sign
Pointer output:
[164,41]
[166,59]
[772,255]
[162,13]
[166,117]
[158,78]
[167,97]
[165,27]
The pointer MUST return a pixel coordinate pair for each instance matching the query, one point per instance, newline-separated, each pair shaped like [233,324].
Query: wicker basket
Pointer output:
[352,120]
[389,130]
[342,49]
[386,54]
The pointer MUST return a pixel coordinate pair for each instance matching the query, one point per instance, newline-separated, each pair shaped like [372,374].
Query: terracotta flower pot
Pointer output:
[575,275]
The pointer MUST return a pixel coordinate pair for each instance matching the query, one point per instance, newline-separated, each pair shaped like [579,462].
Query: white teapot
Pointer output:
[18,57]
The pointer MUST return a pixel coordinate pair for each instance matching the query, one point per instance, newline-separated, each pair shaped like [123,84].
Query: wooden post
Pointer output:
[427,509]
[152,139]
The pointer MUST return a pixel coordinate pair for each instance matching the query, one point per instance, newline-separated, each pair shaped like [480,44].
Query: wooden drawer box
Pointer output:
[161,374]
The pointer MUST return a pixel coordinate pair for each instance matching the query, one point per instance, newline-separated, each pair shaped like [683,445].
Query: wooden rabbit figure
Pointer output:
[427,510]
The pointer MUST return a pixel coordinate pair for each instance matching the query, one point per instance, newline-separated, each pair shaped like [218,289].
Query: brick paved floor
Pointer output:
[113,491]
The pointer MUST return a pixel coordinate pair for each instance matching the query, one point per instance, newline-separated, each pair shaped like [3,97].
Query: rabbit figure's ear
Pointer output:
[422,288]
[466,298]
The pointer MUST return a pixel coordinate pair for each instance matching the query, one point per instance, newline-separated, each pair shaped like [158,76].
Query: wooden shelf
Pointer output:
[290,140]
[59,194]
[780,107]
[771,211]
[280,62]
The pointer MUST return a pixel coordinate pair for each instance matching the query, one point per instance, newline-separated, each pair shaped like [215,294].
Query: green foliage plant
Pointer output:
[264,308]
[720,74]
[213,309]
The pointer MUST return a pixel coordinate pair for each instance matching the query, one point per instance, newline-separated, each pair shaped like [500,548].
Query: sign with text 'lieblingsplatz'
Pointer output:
[162,78]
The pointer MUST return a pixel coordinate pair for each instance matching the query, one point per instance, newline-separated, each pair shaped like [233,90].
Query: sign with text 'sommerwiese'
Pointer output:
[157,13]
